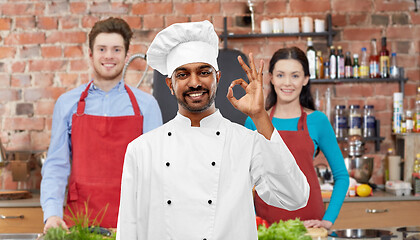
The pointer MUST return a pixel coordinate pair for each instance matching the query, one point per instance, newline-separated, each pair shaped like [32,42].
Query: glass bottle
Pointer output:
[355,120]
[340,121]
[311,55]
[319,71]
[384,59]
[348,66]
[397,112]
[374,61]
[326,69]
[333,63]
[328,104]
[356,69]
[403,123]
[364,65]
[409,124]
[393,69]
[369,121]
[415,178]
[417,112]
[340,62]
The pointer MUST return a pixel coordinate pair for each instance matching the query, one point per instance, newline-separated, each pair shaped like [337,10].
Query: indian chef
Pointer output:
[192,178]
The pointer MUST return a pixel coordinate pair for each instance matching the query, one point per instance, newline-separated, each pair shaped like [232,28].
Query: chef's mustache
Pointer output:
[195,89]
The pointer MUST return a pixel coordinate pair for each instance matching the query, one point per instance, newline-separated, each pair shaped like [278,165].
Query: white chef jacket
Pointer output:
[181,182]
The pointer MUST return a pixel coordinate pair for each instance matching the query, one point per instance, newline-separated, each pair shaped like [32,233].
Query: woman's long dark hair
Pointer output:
[305,97]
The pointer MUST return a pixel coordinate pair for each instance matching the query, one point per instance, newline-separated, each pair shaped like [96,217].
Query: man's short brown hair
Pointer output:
[111,25]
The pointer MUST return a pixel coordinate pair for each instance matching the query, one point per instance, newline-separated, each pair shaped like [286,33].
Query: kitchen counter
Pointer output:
[378,196]
[30,202]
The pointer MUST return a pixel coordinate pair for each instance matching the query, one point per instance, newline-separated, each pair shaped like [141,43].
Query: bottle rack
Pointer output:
[328,34]
[401,80]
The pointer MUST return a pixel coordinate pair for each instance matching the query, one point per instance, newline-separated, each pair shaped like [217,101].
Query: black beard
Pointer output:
[183,103]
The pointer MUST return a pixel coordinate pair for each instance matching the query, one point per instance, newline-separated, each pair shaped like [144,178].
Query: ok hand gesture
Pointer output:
[252,104]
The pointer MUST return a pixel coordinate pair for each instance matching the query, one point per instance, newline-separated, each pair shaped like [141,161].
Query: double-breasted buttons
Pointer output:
[169,134]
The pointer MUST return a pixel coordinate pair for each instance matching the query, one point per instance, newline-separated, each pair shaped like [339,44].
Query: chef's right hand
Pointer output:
[53,222]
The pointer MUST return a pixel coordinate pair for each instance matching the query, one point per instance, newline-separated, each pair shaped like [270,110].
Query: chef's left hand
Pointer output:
[317,223]
[252,103]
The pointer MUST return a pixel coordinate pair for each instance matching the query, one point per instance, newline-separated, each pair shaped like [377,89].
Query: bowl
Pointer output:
[359,168]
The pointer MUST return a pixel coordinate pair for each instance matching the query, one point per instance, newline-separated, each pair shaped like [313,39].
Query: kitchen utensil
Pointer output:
[361,234]
[40,158]
[359,168]
[3,159]
[20,170]
[355,146]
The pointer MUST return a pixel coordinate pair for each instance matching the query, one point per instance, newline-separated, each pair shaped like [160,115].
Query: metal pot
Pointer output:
[361,234]
[359,168]
[355,146]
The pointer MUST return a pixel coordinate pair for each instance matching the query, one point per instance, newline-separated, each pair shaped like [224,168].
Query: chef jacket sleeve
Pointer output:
[277,177]
[127,216]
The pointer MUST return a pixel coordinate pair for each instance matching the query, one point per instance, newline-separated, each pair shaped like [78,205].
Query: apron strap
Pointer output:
[273,109]
[82,103]
[133,101]
[302,119]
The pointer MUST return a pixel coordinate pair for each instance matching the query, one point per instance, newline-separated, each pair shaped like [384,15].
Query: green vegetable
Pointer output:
[284,230]
[75,233]
[83,229]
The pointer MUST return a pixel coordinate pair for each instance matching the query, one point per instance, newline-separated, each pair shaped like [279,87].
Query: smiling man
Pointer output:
[91,128]
[192,178]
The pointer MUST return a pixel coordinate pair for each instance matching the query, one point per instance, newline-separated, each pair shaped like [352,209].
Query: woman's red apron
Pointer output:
[98,148]
[300,144]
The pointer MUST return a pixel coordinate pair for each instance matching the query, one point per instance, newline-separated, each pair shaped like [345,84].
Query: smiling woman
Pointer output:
[304,130]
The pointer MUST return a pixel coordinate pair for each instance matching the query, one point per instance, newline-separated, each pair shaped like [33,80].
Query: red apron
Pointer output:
[301,146]
[98,148]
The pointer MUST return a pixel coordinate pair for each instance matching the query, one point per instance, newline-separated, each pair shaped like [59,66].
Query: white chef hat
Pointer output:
[183,43]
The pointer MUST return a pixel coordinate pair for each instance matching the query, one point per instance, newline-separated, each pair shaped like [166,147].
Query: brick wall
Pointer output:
[43,49]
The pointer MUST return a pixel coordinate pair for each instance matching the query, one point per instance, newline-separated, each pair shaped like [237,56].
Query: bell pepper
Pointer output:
[261,221]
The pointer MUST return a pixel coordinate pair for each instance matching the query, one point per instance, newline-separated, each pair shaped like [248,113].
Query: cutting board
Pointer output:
[14,194]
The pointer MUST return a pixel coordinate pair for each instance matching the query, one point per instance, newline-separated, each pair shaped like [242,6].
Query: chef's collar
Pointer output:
[211,121]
